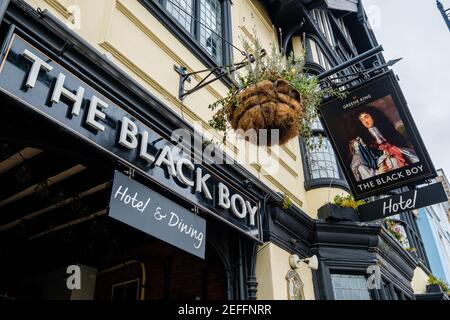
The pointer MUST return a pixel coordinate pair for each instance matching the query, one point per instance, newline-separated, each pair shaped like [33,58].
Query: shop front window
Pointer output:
[126,291]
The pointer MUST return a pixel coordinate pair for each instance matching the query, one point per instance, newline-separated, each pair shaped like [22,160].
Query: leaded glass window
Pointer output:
[182,11]
[322,160]
[211,27]
[202,19]
[350,287]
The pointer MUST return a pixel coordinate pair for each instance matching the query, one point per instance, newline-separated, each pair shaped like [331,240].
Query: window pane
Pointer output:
[118,293]
[349,287]
[182,11]
[211,27]
[322,161]
[127,291]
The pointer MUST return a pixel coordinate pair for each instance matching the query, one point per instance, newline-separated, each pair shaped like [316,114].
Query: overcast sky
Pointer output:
[416,31]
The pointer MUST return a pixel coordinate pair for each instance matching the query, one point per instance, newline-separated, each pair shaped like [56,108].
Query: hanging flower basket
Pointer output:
[268,105]
[273,93]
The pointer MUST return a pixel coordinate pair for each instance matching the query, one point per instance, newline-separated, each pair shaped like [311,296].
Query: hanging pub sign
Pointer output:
[407,201]
[375,138]
[41,84]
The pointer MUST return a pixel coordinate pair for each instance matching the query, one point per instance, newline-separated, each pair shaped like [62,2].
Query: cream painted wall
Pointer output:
[272,265]
[419,281]
[133,38]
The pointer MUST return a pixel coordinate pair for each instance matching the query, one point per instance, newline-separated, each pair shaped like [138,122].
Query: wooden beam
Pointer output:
[55,206]
[50,181]
[71,224]
[18,158]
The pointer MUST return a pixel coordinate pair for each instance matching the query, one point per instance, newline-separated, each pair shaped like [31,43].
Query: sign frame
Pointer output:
[384,86]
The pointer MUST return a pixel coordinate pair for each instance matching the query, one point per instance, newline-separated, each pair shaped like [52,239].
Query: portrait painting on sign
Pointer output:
[377,139]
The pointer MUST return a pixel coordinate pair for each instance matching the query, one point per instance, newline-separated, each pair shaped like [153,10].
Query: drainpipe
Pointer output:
[126,264]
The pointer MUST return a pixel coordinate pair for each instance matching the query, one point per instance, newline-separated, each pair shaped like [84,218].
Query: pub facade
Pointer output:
[94,135]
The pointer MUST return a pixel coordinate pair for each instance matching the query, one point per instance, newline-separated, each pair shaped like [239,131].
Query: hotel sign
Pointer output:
[41,84]
[148,211]
[415,199]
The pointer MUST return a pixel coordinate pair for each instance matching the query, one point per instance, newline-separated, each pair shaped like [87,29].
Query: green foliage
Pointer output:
[286,202]
[273,66]
[434,280]
[347,201]
[391,227]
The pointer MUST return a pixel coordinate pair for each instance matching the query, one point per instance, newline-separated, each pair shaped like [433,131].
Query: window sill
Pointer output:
[186,39]
[326,183]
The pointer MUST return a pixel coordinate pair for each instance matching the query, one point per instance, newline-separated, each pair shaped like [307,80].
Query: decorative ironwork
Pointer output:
[357,70]
[213,74]
[445,13]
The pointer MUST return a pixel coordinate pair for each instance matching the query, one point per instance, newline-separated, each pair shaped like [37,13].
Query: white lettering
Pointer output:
[252,211]
[224,196]
[144,145]
[38,64]
[234,207]
[181,176]
[174,219]
[166,157]
[402,205]
[60,90]
[128,134]
[201,184]
[94,113]
[127,199]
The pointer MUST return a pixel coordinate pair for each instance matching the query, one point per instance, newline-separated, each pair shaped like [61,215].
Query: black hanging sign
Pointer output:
[415,199]
[375,138]
[146,210]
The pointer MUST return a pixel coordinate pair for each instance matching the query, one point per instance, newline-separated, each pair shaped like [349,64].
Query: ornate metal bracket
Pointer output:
[354,72]
[361,75]
[445,13]
[212,75]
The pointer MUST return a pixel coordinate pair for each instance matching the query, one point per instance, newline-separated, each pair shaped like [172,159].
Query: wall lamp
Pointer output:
[312,262]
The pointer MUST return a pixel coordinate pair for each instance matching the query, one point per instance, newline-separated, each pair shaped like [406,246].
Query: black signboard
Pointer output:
[415,199]
[38,82]
[148,211]
[375,138]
